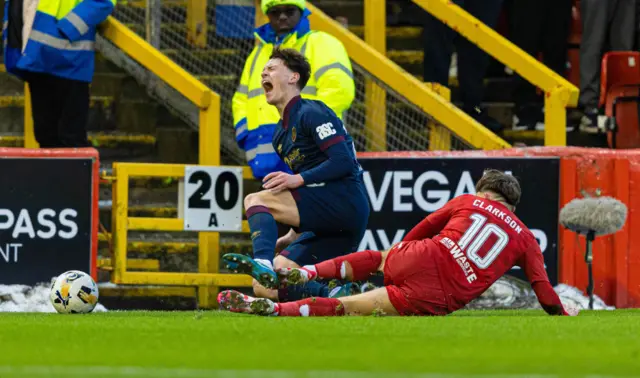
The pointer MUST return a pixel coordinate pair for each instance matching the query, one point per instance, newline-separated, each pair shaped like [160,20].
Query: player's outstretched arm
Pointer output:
[533,265]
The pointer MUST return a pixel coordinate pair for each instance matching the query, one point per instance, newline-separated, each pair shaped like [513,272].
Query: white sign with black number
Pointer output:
[212,198]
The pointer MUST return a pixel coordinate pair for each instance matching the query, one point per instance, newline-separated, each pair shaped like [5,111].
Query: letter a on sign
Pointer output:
[212,198]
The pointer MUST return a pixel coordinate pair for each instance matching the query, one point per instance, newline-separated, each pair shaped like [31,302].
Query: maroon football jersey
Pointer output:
[480,240]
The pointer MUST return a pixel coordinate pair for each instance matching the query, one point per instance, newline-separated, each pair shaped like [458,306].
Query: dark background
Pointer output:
[36,184]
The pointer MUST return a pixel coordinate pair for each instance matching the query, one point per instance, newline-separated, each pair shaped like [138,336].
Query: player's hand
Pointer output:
[279,181]
[284,241]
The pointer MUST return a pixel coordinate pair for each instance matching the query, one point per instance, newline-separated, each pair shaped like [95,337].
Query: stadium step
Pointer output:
[175,34]
[151,211]
[398,38]
[162,243]
[410,60]
[101,114]
[97,139]
[122,146]
[9,84]
[18,101]
[399,12]
[118,83]
[536,138]
[106,112]
[132,264]
[161,246]
[111,145]
[106,171]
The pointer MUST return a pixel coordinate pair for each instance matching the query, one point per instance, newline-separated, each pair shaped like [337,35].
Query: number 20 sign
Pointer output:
[212,198]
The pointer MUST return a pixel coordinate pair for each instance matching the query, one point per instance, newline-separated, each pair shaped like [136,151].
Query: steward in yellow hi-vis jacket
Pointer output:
[50,45]
[331,80]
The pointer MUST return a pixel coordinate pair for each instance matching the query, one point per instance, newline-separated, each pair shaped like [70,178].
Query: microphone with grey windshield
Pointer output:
[593,216]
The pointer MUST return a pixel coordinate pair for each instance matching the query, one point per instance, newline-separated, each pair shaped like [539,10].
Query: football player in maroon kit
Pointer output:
[447,260]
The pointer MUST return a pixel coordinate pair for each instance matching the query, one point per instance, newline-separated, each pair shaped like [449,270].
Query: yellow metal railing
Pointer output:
[375,96]
[379,66]
[197,22]
[29,135]
[156,62]
[122,223]
[439,136]
[208,103]
[559,92]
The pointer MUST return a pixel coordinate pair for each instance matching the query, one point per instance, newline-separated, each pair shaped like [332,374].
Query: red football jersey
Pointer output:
[480,240]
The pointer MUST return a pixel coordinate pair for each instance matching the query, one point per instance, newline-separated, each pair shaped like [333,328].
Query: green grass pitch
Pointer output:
[216,344]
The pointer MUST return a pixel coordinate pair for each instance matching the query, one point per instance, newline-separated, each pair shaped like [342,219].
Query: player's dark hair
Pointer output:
[296,62]
[502,184]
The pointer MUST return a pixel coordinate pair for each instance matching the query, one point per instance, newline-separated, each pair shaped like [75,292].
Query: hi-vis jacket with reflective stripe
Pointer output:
[331,82]
[56,37]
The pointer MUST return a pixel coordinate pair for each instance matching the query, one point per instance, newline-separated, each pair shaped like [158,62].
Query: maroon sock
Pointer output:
[311,307]
[362,263]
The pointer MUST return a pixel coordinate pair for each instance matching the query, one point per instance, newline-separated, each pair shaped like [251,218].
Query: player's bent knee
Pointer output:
[254,199]
[281,205]
[264,198]
[281,262]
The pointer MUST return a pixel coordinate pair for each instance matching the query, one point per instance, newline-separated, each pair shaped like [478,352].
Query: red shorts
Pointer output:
[412,280]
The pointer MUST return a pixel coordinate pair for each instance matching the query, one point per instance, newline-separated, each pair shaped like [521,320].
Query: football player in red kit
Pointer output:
[450,258]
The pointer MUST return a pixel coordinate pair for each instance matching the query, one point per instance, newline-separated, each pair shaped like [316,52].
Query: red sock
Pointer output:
[311,307]
[362,263]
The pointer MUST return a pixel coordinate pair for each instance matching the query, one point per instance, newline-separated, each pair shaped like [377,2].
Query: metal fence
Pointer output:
[216,54]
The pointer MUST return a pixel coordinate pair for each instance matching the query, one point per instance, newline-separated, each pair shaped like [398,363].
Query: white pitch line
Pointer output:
[133,371]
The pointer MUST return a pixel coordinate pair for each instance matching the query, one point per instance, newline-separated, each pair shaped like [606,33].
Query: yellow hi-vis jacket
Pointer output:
[331,82]
[54,37]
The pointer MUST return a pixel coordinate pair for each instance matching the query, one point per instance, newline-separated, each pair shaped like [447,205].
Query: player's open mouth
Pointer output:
[267,86]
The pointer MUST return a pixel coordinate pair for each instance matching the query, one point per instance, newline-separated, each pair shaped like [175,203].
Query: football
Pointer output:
[74,292]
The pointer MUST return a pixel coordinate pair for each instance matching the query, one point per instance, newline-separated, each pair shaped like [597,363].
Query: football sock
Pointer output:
[264,232]
[296,292]
[311,307]
[362,263]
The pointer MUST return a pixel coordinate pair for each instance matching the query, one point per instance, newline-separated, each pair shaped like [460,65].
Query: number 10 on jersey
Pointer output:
[212,198]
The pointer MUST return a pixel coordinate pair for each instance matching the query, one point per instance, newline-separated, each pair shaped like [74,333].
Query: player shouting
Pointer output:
[325,199]
[446,261]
